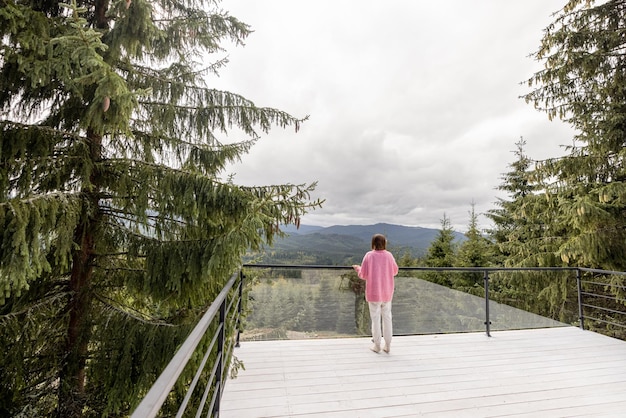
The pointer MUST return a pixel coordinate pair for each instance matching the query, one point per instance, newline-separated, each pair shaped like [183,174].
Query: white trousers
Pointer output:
[381,311]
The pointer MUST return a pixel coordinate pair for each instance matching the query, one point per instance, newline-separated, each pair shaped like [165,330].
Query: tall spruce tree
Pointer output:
[525,228]
[475,251]
[517,184]
[527,234]
[583,83]
[117,229]
[441,253]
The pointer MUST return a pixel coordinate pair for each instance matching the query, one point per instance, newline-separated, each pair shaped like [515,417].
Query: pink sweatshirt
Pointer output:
[378,269]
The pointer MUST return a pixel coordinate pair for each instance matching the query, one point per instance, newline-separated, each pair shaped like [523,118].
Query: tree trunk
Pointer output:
[72,377]
[74,356]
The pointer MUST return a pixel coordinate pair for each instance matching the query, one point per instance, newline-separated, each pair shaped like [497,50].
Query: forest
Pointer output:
[119,226]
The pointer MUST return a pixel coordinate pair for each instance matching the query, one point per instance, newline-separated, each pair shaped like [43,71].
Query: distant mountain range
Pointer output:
[346,244]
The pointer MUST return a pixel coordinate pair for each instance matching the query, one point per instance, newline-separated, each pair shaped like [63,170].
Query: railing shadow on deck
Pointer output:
[222,323]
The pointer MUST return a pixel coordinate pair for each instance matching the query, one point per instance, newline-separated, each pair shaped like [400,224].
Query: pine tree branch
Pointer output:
[112,269]
[47,300]
[119,214]
[130,312]
[164,75]
[242,146]
[47,196]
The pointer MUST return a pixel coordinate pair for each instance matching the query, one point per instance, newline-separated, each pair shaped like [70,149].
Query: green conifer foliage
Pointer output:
[583,83]
[574,214]
[117,229]
[476,251]
[525,228]
[441,253]
[527,234]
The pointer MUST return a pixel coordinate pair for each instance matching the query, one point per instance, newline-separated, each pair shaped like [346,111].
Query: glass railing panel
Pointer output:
[298,303]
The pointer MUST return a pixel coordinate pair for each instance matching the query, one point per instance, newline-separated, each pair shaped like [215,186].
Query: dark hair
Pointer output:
[379,242]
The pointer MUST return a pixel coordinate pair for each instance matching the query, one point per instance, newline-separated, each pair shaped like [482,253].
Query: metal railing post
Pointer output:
[221,346]
[487,319]
[579,286]
[239,306]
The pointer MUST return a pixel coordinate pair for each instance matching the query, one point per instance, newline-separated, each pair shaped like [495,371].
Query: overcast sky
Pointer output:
[413,105]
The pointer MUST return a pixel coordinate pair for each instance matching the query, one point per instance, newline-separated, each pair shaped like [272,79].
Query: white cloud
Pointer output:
[414,105]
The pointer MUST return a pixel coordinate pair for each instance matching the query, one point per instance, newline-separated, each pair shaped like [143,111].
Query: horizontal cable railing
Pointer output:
[225,312]
[612,295]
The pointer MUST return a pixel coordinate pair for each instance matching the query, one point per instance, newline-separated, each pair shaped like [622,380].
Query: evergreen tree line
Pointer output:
[530,230]
[119,228]
[568,210]
[546,293]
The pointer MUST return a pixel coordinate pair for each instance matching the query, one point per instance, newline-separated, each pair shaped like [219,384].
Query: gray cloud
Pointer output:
[414,106]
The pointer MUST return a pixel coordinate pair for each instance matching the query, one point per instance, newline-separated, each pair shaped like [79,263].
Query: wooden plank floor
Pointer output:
[555,372]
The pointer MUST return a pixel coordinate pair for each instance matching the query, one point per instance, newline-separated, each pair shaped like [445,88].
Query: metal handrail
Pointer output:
[475,269]
[157,395]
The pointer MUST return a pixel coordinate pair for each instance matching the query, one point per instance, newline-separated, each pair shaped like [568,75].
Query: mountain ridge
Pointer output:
[414,236]
[346,244]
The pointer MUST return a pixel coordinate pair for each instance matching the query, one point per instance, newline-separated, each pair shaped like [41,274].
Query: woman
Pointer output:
[378,270]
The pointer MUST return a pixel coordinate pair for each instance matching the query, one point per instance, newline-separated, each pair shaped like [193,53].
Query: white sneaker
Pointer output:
[375,348]
[387,349]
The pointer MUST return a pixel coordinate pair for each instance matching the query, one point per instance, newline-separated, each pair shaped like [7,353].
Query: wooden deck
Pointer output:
[556,372]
